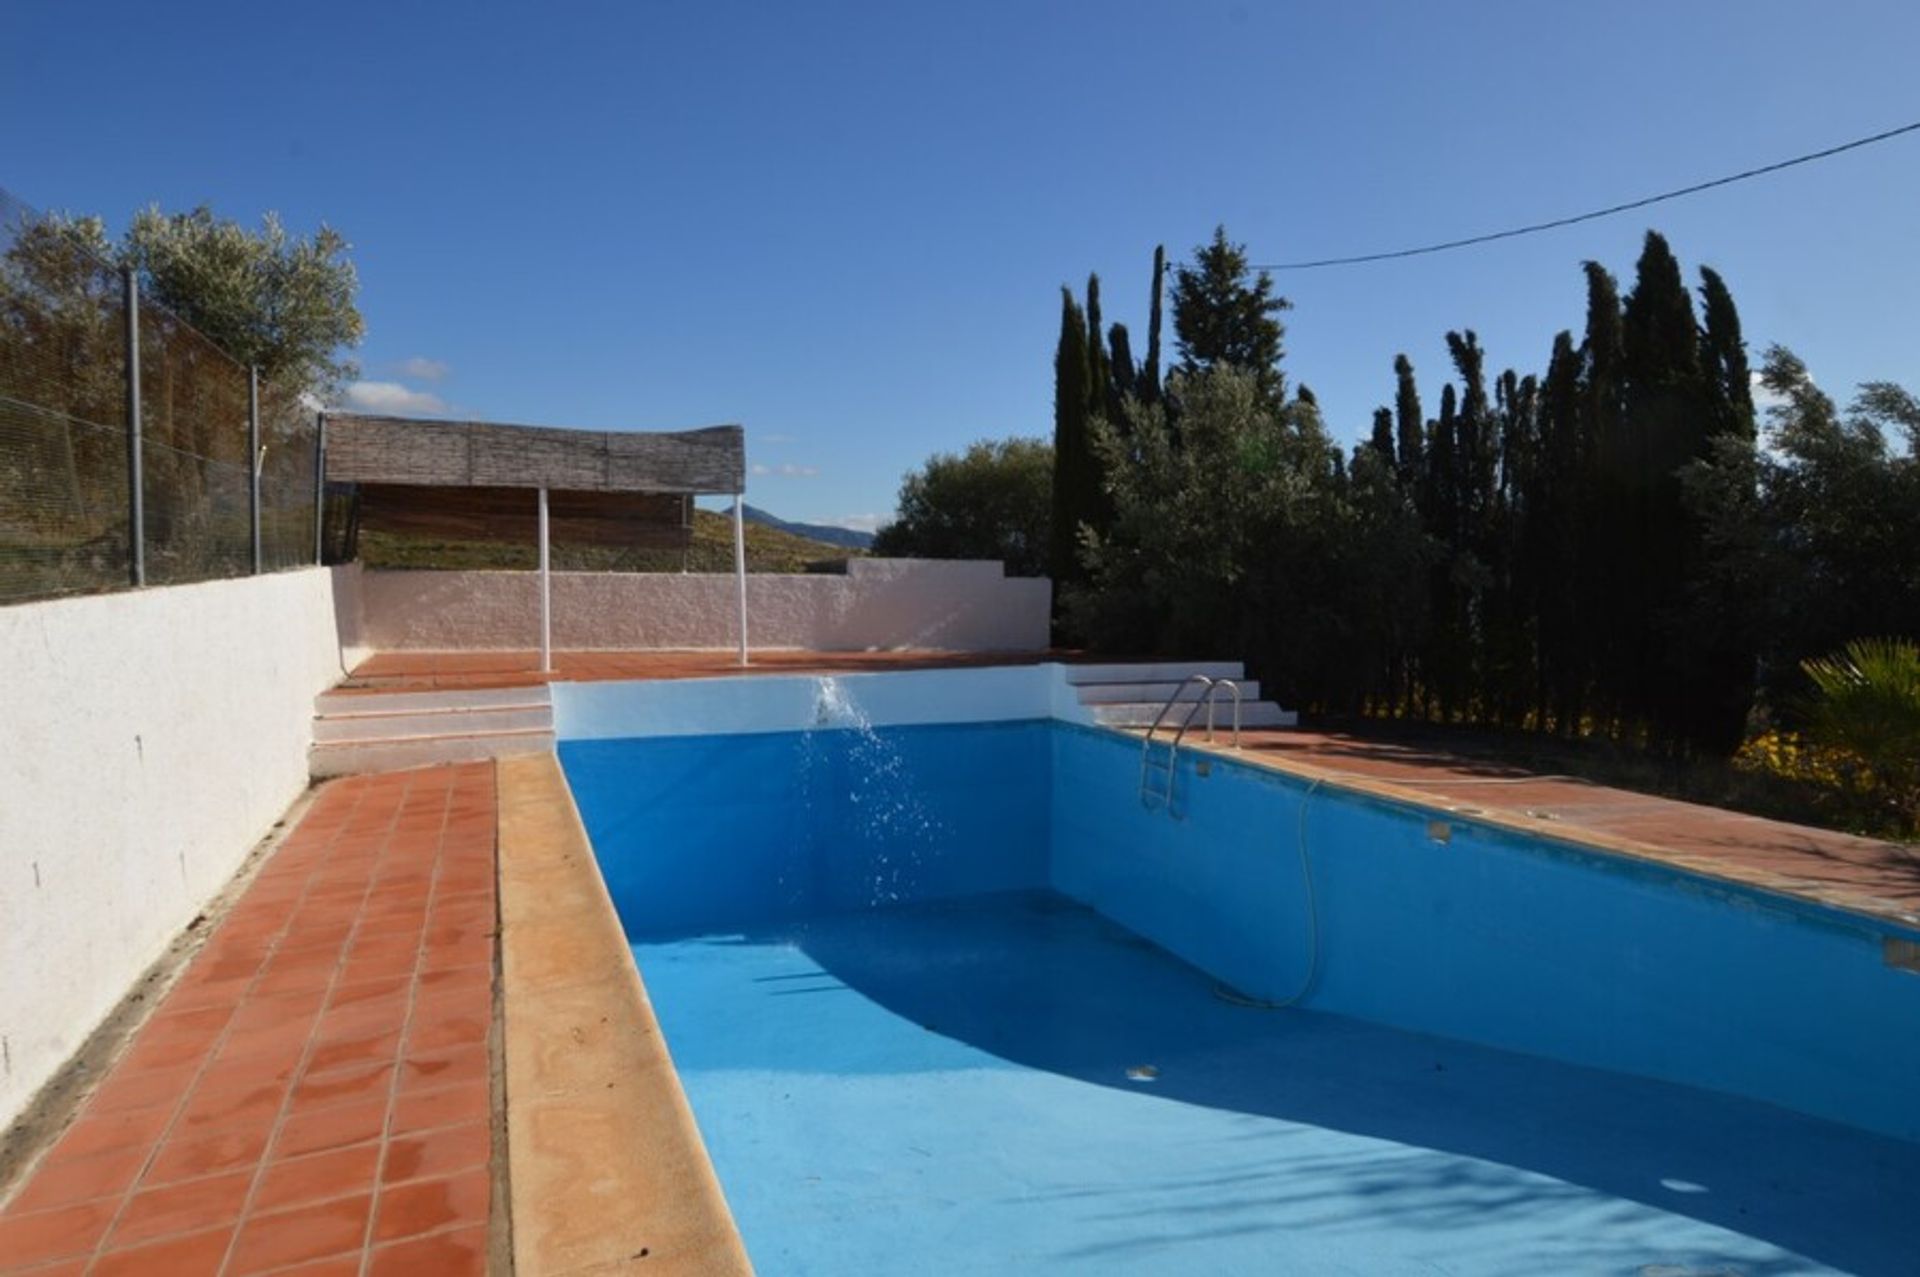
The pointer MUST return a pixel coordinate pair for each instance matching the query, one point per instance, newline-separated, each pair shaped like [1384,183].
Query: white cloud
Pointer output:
[786,471]
[420,368]
[391,396]
[1764,399]
[859,522]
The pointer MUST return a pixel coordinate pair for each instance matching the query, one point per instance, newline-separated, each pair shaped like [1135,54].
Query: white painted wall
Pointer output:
[957,605]
[147,740]
[603,710]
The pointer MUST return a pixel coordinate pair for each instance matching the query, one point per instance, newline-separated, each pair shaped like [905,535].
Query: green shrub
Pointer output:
[1867,703]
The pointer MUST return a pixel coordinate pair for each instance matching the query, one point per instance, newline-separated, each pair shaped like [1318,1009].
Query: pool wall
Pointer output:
[724,832]
[1458,928]
[1493,937]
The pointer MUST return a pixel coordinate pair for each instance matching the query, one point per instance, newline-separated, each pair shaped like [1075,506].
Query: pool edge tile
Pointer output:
[614,1129]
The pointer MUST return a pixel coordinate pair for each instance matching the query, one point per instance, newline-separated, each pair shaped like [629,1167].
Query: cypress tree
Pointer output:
[1150,371]
[1099,373]
[1554,536]
[1668,417]
[1381,441]
[1719,619]
[1123,378]
[1477,466]
[1409,422]
[1074,483]
[1604,535]
[1513,685]
[1723,355]
[1442,511]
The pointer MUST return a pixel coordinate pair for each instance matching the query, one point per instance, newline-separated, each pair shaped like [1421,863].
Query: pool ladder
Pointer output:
[1164,767]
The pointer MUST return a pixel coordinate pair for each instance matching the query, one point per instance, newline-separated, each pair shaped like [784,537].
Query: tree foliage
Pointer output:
[1075,499]
[1572,551]
[1867,703]
[993,501]
[281,302]
[1599,548]
[1224,314]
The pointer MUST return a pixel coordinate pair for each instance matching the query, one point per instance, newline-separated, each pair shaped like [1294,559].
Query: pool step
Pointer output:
[1142,714]
[1132,695]
[1152,672]
[1157,693]
[364,731]
[345,702]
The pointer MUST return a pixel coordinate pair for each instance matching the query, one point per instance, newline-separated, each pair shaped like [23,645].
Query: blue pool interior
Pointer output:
[948,998]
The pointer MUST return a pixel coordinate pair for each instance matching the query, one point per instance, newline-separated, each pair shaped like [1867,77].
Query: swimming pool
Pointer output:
[946,997]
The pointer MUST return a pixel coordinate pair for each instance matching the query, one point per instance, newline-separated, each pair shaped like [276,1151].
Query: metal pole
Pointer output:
[320,488]
[253,464]
[546,591]
[136,494]
[740,568]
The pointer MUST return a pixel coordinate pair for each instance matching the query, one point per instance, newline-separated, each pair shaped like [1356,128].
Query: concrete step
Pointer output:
[424,724]
[347,758]
[1116,693]
[1152,671]
[328,704]
[1142,714]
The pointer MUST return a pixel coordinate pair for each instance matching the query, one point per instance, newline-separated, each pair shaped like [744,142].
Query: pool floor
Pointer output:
[1011,1084]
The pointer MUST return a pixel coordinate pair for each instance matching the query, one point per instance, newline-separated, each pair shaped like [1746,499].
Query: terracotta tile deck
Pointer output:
[395,671]
[1861,874]
[314,1091]
[1854,873]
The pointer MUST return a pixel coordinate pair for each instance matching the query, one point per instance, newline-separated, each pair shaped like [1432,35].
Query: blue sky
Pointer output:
[845,226]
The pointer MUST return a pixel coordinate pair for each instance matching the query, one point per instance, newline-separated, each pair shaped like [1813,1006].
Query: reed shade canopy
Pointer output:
[478,480]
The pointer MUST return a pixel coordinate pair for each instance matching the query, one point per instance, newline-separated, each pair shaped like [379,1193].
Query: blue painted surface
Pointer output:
[1499,939]
[721,831]
[907,1050]
[942,1088]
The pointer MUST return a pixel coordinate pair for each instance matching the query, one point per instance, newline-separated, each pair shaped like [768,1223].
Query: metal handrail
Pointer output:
[1173,748]
[1214,686]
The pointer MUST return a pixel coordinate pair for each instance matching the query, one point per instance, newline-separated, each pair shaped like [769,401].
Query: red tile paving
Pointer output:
[396,671]
[313,1092]
[1857,873]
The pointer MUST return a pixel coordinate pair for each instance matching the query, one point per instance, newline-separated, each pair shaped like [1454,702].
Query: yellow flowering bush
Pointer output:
[1789,756]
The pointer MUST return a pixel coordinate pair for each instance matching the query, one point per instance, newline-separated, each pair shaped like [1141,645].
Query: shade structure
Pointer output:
[495,481]
[631,520]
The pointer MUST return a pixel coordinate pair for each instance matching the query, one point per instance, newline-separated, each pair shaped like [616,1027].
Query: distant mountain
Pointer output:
[848,537]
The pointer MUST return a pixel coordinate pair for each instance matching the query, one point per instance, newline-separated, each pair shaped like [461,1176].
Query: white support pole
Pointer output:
[740,567]
[546,591]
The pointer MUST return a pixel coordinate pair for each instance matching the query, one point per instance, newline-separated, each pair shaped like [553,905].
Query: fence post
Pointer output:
[253,463]
[136,495]
[320,488]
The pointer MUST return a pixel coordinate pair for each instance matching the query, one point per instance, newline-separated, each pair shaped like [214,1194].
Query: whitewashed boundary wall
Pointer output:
[148,739]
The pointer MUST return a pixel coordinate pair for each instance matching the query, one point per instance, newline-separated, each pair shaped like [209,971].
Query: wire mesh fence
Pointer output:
[63,414]
[66,433]
[288,454]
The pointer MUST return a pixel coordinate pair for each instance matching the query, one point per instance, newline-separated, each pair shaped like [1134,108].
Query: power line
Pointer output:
[1558,222]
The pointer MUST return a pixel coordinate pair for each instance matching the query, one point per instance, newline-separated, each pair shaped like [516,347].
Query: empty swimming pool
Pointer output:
[947,997]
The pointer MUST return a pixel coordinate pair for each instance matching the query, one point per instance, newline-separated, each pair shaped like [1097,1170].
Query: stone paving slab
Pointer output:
[609,1171]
